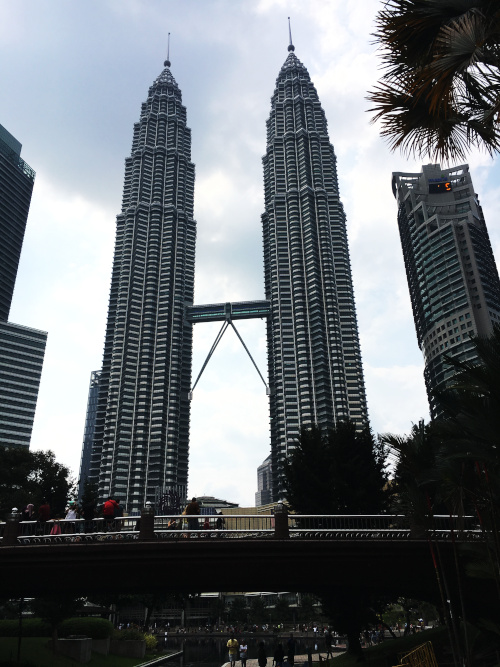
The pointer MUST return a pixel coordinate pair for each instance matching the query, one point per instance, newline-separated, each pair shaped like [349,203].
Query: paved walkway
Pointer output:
[300,661]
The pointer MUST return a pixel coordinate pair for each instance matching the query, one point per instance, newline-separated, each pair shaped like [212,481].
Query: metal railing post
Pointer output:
[12,528]
[147,528]
[281,522]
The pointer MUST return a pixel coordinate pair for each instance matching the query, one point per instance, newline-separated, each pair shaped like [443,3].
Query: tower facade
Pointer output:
[450,267]
[21,349]
[315,372]
[142,424]
[88,434]
[16,186]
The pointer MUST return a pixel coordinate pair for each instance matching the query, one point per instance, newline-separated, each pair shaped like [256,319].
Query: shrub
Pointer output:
[32,627]
[95,628]
[151,642]
[132,633]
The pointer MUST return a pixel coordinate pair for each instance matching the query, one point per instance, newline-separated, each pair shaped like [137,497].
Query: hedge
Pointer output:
[124,635]
[95,628]
[31,627]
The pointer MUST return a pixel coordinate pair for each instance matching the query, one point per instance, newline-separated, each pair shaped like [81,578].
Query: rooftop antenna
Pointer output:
[291,47]
[167,61]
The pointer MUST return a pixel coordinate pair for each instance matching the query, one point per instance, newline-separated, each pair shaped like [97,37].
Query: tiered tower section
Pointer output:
[315,371]
[142,425]
[452,275]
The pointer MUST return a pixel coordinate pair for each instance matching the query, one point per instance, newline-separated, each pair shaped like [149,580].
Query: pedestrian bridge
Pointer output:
[245,553]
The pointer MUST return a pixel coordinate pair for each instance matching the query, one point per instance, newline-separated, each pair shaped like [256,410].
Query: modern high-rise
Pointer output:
[16,186]
[450,267]
[21,349]
[264,494]
[314,358]
[142,425]
[88,434]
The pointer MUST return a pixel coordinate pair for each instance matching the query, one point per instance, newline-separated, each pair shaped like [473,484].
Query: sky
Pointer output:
[73,75]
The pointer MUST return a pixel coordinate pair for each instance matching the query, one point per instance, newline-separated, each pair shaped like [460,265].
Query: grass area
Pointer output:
[387,653]
[35,652]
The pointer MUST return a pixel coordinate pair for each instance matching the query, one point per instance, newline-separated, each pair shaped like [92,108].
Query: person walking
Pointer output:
[192,509]
[232,647]
[261,655]
[279,655]
[243,652]
[290,648]
[328,643]
[108,512]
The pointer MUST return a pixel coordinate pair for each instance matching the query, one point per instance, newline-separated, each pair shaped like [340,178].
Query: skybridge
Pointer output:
[226,313]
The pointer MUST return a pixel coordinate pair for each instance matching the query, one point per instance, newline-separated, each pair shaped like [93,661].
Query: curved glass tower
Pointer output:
[142,424]
[315,372]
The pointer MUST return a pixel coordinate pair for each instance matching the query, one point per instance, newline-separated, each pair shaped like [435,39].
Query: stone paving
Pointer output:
[300,661]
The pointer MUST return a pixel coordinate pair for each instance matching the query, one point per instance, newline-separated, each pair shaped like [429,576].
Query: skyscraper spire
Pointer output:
[141,436]
[291,47]
[314,359]
[167,61]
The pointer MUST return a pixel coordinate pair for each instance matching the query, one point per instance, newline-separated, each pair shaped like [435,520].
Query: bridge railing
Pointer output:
[239,526]
[215,526]
[378,526]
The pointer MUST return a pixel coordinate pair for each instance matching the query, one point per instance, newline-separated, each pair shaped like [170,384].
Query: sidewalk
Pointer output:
[300,661]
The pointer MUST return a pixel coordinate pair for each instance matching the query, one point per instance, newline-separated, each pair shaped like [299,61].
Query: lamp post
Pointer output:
[281,522]
[11,530]
[147,529]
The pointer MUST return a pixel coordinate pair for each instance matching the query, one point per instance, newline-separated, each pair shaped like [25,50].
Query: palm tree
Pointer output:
[440,93]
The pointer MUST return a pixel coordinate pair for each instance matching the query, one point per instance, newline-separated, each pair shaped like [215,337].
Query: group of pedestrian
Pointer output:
[50,523]
[233,647]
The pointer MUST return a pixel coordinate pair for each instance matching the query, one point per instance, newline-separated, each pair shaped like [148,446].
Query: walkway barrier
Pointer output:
[422,656]
[280,525]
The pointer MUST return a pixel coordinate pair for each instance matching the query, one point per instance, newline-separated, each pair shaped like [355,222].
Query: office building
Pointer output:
[21,358]
[314,359]
[88,434]
[21,349]
[264,494]
[16,186]
[452,275]
[141,436]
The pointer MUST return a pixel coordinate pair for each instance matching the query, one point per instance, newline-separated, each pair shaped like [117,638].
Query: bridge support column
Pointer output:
[12,528]
[281,522]
[147,529]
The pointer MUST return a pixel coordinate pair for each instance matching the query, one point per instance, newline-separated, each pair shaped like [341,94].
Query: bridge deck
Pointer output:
[235,310]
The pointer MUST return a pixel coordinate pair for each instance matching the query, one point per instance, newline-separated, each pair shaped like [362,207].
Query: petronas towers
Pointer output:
[141,440]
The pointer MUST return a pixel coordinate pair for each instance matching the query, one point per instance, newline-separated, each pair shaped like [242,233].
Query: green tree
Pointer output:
[413,485]
[440,93]
[30,477]
[257,611]
[238,610]
[341,471]
[344,467]
[54,610]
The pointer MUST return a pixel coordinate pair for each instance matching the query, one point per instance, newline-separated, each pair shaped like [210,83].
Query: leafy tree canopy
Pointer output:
[341,471]
[32,477]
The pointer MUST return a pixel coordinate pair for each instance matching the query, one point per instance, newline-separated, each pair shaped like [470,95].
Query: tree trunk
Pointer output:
[354,647]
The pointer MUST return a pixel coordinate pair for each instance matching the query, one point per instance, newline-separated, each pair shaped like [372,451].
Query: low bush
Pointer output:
[95,628]
[124,635]
[31,627]
[151,642]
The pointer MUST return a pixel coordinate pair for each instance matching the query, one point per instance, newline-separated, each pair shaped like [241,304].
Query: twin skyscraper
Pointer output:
[141,438]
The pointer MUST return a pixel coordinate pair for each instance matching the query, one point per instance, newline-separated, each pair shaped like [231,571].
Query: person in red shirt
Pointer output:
[108,511]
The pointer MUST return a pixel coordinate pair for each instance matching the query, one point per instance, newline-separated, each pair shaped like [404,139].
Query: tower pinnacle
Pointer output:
[167,61]
[291,47]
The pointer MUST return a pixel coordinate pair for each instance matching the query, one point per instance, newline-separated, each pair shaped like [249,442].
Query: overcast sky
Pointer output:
[73,74]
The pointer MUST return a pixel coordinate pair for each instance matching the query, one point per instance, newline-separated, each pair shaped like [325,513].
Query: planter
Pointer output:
[128,648]
[79,650]
[101,646]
